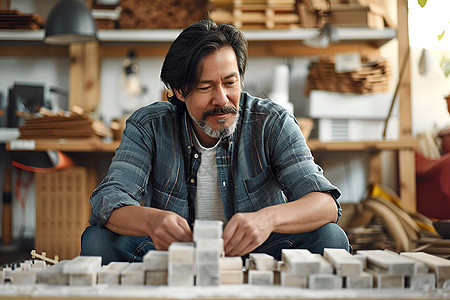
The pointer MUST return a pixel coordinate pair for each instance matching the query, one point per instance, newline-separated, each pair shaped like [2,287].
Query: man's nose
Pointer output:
[220,96]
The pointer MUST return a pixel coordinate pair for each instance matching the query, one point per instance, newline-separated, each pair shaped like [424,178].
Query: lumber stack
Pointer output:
[14,19]
[256,14]
[58,126]
[143,14]
[374,76]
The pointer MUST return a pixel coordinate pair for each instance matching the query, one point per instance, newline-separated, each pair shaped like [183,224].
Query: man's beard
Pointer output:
[223,131]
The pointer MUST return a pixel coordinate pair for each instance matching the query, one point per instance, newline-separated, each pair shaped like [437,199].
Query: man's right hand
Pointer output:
[168,227]
[164,227]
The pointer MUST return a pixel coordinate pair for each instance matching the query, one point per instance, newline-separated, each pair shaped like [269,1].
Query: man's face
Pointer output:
[214,104]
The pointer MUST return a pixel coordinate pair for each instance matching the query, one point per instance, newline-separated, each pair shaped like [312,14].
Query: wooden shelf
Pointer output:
[67,145]
[316,145]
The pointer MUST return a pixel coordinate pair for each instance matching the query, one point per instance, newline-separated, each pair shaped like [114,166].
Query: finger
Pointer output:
[229,232]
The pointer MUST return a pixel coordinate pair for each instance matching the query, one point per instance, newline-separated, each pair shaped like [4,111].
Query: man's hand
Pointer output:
[163,227]
[168,227]
[245,232]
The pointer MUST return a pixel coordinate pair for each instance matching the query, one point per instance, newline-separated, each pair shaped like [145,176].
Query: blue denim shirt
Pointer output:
[264,162]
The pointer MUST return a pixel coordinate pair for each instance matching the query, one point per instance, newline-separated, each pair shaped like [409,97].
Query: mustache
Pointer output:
[219,110]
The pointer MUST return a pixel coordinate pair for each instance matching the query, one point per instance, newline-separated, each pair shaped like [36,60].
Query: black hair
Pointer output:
[180,69]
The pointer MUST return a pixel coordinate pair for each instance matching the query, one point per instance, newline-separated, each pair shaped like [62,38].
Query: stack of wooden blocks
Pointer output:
[374,76]
[202,263]
[256,14]
[143,14]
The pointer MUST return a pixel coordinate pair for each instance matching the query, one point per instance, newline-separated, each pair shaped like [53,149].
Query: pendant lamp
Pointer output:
[70,21]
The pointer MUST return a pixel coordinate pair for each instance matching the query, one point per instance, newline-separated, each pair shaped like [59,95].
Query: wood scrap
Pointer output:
[14,19]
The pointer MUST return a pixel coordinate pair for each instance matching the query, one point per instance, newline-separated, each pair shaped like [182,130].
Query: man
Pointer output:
[213,152]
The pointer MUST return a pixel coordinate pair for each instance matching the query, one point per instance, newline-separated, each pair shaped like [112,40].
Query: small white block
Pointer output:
[230,263]
[180,279]
[289,279]
[178,268]
[208,229]
[385,280]
[110,274]
[39,264]
[300,261]
[440,266]
[389,263]
[325,266]
[231,277]
[324,281]
[209,245]
[262,262]
[180,252]
[133,274]
[24,277]
[83,265]
[422,281]
[7,273]
[156,260]
[361,281]
[258,277]
[53,274]
[82,279]
[156,277]
[344,263]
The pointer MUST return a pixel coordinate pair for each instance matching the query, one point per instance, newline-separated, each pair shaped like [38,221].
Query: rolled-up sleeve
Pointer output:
[295,168]
[127,177]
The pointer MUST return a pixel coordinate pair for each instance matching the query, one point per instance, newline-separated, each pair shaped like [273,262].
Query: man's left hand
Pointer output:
[245,232]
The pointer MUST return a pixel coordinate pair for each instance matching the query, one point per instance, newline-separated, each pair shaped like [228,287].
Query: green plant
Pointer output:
[445,65]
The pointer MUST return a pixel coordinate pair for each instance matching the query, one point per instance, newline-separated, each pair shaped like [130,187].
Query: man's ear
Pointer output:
[178,94]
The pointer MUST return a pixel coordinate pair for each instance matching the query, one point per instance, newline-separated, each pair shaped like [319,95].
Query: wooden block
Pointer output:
[83,279]
[133,274]
[325,266]
[209,245]
[259,277]
[290,279]
[422,281]
[53,275]
[440,266]
[231,276]
[208,229]
[110,274]
[384,280]
[156,277]
[181,253]
[361,281]
[180,279]
[83,265]
[230,263]
[344,263]
[156,260]
[24,277]
[208,275]
[324,281]
[300,261]
[388,263]
[262,262]
[39,264]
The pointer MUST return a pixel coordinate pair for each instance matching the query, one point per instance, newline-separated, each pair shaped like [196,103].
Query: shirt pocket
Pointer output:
[263,190]
[166,196]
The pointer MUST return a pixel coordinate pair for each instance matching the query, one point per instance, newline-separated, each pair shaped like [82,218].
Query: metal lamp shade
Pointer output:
[69,22]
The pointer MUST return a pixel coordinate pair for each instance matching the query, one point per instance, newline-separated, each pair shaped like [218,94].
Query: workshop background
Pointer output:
[341,93]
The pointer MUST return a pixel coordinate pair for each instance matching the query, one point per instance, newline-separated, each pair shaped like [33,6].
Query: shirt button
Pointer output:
[192,180]
[196,155]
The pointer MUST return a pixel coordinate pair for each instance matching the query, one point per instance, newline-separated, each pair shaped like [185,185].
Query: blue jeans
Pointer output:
[110,246]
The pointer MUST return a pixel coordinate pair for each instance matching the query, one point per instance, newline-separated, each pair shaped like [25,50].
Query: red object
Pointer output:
[433,186]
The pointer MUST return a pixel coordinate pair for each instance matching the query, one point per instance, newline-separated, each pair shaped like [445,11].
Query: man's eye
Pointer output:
[230,82]
[204,88]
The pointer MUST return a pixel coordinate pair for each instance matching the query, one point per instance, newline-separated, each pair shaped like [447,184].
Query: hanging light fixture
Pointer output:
[69,22]
[327,35]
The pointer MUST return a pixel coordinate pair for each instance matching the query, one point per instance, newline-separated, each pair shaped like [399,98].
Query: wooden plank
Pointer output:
[407,178]
[388,263]
[344,263]
[440,266]
[84,88]
[300,261]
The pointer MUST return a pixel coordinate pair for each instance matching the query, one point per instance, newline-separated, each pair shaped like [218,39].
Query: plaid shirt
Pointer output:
[264,162]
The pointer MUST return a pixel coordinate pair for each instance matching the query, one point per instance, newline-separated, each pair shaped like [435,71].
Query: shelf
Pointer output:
[67,145]
[403,144]
[168,35]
